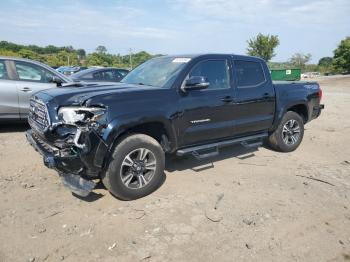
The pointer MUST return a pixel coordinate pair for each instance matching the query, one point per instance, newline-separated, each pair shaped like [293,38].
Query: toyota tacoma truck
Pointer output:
[180,105]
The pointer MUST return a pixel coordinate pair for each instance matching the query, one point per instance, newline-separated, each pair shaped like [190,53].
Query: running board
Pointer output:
[201,156]
[251,145]
[243,141]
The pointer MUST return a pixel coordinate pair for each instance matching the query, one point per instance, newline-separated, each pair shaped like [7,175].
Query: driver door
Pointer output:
[31,78]
[207,114]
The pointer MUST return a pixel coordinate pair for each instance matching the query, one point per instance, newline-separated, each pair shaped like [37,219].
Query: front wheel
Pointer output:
[136,168]
[289,133]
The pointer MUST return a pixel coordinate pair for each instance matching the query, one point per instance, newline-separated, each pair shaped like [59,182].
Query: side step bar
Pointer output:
[244,141]
[200,156]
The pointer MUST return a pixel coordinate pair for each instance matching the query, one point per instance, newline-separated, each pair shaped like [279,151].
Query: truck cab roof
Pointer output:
[201,55]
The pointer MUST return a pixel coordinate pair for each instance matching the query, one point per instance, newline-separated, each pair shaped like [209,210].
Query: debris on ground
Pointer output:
[112,246]
[54,214]
[213,215]
[316,179]
[137,214]
[40,228]
[27,185]
[248,221]
[220,197]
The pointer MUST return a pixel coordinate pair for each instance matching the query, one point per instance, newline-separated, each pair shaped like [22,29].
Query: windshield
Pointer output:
[157,72]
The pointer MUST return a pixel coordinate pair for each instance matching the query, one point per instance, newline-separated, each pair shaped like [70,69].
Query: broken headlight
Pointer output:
[76,115]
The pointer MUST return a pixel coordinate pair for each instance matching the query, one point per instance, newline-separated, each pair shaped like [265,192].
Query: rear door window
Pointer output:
[249,73]
[3,71]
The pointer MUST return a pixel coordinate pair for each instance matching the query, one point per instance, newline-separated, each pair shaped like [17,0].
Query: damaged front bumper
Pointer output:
[78,163]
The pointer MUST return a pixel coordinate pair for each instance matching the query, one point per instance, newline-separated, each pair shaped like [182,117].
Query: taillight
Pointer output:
[320,93]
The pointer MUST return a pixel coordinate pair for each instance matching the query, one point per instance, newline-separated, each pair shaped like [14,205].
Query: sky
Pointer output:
[178,26]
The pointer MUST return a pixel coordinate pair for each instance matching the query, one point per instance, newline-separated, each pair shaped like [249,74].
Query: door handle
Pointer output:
[227,99]
[26,89]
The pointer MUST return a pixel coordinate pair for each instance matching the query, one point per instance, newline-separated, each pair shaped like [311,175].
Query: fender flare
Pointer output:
[283,109]
[121,124]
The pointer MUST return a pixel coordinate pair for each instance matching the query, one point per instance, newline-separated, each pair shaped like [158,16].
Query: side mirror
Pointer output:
[196,83]
[56,80]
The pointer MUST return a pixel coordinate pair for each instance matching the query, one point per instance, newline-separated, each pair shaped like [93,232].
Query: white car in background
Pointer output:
[310,74]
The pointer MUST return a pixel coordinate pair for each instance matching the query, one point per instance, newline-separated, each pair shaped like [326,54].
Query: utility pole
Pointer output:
[130,61]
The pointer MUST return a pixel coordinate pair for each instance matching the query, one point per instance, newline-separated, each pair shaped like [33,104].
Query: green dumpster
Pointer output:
[285,74]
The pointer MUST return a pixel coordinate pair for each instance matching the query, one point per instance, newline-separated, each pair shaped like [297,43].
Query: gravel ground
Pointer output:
[244,205]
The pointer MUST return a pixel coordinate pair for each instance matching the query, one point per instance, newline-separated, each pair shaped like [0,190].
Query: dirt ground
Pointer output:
[241,206]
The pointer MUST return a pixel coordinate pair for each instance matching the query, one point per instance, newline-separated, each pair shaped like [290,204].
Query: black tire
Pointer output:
[279,139]
[112,178]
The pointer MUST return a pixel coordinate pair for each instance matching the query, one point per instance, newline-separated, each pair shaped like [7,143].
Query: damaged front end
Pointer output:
[71,143]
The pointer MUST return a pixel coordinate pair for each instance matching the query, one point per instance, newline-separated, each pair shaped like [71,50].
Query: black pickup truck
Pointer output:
[188,104]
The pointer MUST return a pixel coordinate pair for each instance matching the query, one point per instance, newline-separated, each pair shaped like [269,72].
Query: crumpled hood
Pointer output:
[78,95]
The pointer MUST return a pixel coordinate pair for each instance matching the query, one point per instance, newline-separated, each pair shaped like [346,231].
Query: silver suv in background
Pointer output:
[19,79]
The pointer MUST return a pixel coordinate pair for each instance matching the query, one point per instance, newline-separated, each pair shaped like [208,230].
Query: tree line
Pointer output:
[263,46]
[69,56]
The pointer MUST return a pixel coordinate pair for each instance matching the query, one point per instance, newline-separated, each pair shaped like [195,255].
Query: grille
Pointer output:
[38,115]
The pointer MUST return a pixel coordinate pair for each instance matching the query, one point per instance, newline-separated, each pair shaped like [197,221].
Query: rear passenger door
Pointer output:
[254,96]
[8,93]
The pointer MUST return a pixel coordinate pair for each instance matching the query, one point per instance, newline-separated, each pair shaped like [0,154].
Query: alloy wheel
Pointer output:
[291,132]
[138,168]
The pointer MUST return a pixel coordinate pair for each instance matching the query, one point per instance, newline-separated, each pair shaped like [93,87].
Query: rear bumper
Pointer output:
[317,110]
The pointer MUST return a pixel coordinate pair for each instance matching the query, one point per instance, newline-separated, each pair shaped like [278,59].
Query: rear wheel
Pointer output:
[289,133]
[136,168]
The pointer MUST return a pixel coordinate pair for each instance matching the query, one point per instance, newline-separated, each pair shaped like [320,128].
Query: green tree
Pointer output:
[25,53]
[81,54]
[325,61]
[6,52]
[53,60]
[101,49]
[97,59]
[67,58]
[67,55]
[50,49]
[263,46]
[325,65]
[299,60]
[341,60]
[10,46]
[140,57]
